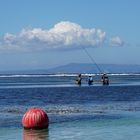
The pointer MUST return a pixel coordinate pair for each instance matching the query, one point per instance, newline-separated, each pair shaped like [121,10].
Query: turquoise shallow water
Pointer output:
[86,112]
[76,130]
[101,130]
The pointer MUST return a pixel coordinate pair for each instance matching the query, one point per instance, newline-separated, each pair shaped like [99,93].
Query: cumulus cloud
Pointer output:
[116,41]
[62,35]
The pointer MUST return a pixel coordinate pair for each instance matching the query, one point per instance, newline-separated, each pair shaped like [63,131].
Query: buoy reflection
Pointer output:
[35,134]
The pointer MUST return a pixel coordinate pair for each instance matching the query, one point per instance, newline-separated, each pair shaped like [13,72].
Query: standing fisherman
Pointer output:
[79,79]
[90,80]
[105,79]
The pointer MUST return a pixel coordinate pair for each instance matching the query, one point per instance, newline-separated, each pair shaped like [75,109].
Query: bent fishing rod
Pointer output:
[91,58]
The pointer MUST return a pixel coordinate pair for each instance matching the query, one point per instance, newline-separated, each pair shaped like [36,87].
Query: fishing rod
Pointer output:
[91,58]
[105,80]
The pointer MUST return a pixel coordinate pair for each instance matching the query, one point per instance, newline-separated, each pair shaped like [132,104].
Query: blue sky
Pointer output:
[39,34]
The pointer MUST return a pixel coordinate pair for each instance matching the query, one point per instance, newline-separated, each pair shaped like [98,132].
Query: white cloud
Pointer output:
[62,35]
[116,41]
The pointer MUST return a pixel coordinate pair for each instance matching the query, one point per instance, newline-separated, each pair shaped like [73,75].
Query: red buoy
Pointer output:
[35,118]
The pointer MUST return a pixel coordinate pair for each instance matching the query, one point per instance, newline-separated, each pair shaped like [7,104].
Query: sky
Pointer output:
[42,34]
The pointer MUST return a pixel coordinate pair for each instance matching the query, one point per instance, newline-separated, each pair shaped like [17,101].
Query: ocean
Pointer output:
[75,112]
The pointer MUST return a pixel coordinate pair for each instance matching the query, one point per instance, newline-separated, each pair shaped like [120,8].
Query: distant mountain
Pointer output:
[81,68]
[91,68]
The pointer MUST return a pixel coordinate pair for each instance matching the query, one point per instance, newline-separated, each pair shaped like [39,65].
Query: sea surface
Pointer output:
[75,112]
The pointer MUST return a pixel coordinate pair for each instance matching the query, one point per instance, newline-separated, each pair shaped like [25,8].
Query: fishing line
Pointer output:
[91,58]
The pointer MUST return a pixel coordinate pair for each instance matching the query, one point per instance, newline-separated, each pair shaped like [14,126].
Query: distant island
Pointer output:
[91,68]
[81,68]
